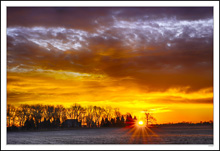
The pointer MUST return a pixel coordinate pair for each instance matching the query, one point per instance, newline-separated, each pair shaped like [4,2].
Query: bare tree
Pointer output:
[50,112]
[23,113]
[69,113]
[82,116]
[108,112]
[10,114]
[37,113]
[61,113]
[149,118]
[77,110]
[99,113]
[89,115]
[117,112]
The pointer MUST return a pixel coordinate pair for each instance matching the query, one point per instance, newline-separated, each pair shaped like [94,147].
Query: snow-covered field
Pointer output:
[162,135]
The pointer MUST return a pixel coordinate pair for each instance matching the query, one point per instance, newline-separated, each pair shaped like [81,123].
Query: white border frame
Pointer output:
[4,5]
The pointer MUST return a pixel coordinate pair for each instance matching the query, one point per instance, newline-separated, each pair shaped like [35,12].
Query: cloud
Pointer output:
[136,35]
[153,49]
[49,86]
[88,18]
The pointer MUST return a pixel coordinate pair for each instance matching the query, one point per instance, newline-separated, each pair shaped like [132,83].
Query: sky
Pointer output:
[158,59]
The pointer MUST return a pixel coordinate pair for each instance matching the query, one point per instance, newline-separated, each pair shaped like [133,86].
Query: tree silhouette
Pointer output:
[122,122]
[108,112]
[107,122]
[22,113]
[10,113]
[29,124]
[149,118]
[98,112]
[50,116]
[117,112]
[62,113]
[89,115]
[76,110]
[118,117]
[50,112]
[102,122]
[37,113]
[129,120]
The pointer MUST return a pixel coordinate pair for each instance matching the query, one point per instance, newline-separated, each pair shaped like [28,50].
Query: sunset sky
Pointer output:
[136,59]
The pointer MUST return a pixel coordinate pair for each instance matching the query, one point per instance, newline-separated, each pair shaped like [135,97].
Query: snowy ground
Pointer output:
[168,135]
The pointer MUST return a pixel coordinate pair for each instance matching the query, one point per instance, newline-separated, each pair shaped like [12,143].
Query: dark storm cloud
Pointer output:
[158,48]
[68,17]
[84,18]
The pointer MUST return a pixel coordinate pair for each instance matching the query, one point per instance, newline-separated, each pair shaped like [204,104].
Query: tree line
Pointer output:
[203,123]
[53,116]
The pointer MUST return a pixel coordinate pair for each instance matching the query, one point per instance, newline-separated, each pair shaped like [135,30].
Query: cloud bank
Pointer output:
[107,50]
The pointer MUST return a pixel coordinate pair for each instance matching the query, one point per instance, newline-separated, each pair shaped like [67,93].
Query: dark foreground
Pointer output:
[159,135]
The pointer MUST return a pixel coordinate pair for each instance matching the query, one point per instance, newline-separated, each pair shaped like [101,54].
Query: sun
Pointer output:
[140,123]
